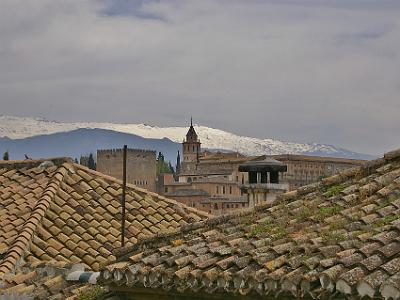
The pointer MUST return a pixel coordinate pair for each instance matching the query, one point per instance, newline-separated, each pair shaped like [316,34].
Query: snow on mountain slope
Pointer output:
[18,128]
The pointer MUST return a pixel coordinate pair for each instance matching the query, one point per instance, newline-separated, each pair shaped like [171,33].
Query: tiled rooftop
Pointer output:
[58,210]
[337,238]
[43,280]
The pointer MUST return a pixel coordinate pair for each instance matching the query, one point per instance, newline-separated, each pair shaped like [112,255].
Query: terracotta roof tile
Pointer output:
[67,211]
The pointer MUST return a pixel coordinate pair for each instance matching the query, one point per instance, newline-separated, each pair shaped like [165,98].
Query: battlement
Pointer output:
[129,150]
[141,166]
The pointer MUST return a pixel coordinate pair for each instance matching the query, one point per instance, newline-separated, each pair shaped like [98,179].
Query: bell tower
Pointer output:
[191,145]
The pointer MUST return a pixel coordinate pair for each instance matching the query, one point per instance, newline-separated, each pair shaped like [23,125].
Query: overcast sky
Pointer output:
[301,70]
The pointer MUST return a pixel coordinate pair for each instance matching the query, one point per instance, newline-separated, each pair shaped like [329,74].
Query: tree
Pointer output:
[76,160]
[162,166]
[91,162]
[6,156]
[171,168]
[178,164]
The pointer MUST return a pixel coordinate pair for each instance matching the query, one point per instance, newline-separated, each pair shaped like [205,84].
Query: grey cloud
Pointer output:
[304,70]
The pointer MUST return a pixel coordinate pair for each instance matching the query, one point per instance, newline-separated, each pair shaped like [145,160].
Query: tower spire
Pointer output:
[191,145]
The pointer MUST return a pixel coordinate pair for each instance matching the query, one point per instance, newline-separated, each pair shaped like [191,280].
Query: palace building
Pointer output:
[220,183]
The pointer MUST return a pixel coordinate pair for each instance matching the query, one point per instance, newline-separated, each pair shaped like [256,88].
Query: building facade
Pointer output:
[303,169]
[141,166]
[218,175]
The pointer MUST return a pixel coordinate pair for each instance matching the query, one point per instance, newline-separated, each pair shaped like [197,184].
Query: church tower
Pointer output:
[191,146]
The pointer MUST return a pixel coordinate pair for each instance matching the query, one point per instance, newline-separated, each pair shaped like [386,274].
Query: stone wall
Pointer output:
[208,168]
[303,170]
[141,166]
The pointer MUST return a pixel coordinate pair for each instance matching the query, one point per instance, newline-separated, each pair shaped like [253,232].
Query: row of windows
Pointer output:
[215,206]
[223,189]
[308,175]
[140,182]
[228,205]
[302,166]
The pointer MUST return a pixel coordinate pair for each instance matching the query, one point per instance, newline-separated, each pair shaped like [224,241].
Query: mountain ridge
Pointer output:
[211,138]
[83,141]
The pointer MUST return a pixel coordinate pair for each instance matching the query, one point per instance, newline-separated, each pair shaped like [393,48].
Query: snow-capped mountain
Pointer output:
[20,128]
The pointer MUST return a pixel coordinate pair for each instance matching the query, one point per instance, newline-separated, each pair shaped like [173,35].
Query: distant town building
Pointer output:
[141,166]
[303,169]
[213,182]
[84,160]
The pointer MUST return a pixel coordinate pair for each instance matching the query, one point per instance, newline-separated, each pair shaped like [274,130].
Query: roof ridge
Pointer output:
[391,155]
[32,163]
[25,235]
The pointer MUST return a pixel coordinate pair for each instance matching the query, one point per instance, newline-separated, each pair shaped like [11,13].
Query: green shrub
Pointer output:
[335,190]
[92,293]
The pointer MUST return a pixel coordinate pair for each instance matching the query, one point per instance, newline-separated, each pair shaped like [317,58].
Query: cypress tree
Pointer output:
[91,163]
[171,169]
[162,165]
[178,163]
[6,156]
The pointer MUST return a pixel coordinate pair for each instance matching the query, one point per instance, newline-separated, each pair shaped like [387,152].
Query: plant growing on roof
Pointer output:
[335,190]
[327,211]
[267,226]
[303,214]
[386,202]
[386,220]
[92,293]
[333,236]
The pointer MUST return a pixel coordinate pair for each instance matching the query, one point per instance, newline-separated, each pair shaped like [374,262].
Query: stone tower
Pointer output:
[191,146]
